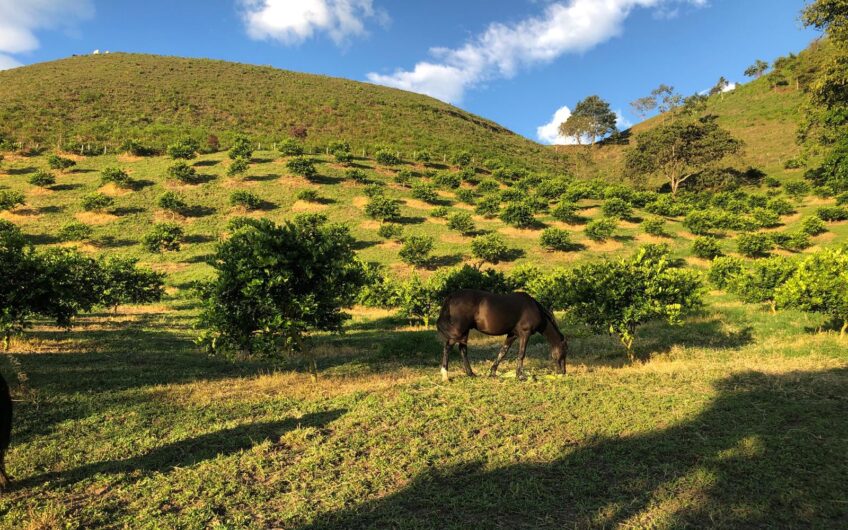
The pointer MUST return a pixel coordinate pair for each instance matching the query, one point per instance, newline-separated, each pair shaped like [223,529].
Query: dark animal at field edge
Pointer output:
[5,429]
[516,315]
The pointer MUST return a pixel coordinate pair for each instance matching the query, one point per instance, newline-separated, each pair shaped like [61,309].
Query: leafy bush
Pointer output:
[754,244]
[771,182]
[490,248]
[125,283]
[462,159]
[794,242]
[705,222]
[440,212]
[185,149]
[765,218]
[291,147]
[667,206]
[404,177]
[465,195]
[759,282]
[565,211]
[136,148]
[96,202]
[425,192]
[238,166]
[356,175]
[445,179]
[374,189]
[172,202]
[60,163]
[462,223]
[75,231]
[654,226]
[308,195]
[183,172]
[416,250]
[488,206]
[275,284]
[780,206]
[245,199]
[241,148]
[723,269]
[42,179]
[423,156]
[387,158]
[518,214]
[556,239]
[813,225]
[600,229]
[706,247]
[469,175]
[116,176]
[163,237]
[390,231]
[617,208]
[241,221]
[832,213]
[797,189]
[383,209]
[488,186]
[618,296]
[343,157]
[302,166]
[819,285]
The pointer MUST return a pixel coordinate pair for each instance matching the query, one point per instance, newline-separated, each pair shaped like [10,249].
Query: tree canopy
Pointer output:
[591,118]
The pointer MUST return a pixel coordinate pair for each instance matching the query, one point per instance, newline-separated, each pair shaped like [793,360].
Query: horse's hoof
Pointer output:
[493,373]
[445,377]
[521,377]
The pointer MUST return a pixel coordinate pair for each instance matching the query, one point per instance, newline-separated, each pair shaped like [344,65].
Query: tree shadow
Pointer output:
[205,163]
[446,260]
[261,178]
[768,451]
[21,170]
[362,245]
[325,179]
[192,451]
[65,187]
[82,170]
[113,242]
[200,258]
[198,238]
[140,184]
[50,209]
[127,210]
[198,211]
[410,220]
[42,239]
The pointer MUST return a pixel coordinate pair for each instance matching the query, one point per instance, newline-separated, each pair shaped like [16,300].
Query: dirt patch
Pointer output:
[169,268]
[628,224]
[81,246]
[165,216]
[359,201]
[390,244]
[609,245]
[519,232]
[454,238]
[590,212]
[698,262]
[303,206]
[20,216]
[437,220]
[370,225]
[72,156]
[238,183]
[126,157]
[417,204]
[647,238]
[463,206]
[95,218]
[112,190]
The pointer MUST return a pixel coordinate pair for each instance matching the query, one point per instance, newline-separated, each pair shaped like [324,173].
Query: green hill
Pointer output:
[106,99]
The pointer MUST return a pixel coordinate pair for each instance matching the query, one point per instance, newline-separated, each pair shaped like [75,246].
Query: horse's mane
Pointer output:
[550,316]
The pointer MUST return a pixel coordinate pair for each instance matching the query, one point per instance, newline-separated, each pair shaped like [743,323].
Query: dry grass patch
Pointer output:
[520,232]
[95,218]
[304,206]
[20,215]
[418,204]
[610,245]
[112,190]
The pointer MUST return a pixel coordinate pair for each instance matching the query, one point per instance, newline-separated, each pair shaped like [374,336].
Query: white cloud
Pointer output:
[729,87]
[621,121]
[294,21]
[20,19]
[566,26]
[549,132]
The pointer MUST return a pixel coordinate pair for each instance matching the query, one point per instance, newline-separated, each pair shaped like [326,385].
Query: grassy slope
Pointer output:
[109,98]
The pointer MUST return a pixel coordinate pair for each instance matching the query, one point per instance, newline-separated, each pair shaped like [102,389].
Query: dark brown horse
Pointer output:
[516,315]
[5,429]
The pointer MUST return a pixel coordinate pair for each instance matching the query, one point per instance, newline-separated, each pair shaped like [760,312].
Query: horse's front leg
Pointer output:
[445,353]
[501,354]
[522,349]
[463,351]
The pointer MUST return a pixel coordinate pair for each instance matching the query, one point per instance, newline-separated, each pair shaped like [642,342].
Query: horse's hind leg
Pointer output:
[493,371]
[445,353]
[4,478]
[463,350]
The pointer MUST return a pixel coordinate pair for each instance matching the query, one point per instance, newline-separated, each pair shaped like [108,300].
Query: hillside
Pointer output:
[106,99]
[765,113]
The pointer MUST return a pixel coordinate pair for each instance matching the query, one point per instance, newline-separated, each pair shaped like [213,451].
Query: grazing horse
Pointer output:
[516,315]
[5,429]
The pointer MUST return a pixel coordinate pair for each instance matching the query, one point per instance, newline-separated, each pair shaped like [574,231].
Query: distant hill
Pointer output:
[765,113]
[105,99]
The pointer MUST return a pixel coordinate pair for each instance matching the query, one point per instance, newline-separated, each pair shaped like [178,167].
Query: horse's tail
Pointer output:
[444,318]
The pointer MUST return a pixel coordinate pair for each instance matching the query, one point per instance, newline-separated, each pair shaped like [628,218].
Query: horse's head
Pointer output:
[559,350]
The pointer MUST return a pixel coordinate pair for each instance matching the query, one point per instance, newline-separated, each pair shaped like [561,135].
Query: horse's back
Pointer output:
[490,313]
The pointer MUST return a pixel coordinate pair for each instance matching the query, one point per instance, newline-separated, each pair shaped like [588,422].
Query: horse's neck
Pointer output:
[552,333]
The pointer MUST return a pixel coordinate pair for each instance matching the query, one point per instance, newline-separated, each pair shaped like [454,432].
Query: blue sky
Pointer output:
[513,61]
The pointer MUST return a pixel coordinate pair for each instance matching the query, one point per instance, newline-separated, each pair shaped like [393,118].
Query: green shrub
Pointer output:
[356,175]
[238,166]
[780,206]
[172,202]
[425,192]
[797,189]
[241,148]
[374,189]
[163,237]
[759,282]
[462,223]
[404,177]
[60,163]
[819,285]
[490,248]
[75,231]
[655,226]
[423,156]
[723,269]
[706,247]
[387,158]
[42,179]
[813,225]
[488,186]
[440,212]
[291,147]
[183,172]
[245,199]
[390,231]
[241,221]
[765,218]
[447,180]
[125,283]
[343,157]
[308,195]
[302,166]
[794,242]
[276,283]
[565,211]
[667,206]
[518,214]
[96,202]
[771,182]
[465,195]
[185,149]
[556,239]
[469,175]
[383,208]
[754,245]
[9,199]
[617,208]
[462,159]
[116,176]
[416,250]
[832,213]
[488,206]
[842,199]
[600,229]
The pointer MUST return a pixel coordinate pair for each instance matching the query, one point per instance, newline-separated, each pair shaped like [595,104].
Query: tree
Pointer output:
[667,99]
[416,250]
[116,176]
[720,87]
[275,284]
[302,166]
[42,179]
[490,248]
[60,163]
[238,166]
[760,282]
[245,199]
[519,214]
[185,149]
[644,105]
[591,118]
[241,148]
[462,223]
[383,208]
[819,285]
[757,69]
[125,283]
[556,239]
[680,150]
[96,202]
[291,147]
[183,172]
[163,236]
[600,229]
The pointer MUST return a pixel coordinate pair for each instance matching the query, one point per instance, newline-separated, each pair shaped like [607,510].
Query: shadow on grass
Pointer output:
[140,184]
[127,210]
[193,450]
[198,238]
[198,211]
[65,187]
[205,163]
[114,242]
[261,178]
[21,170]
[768,451]
[325,179]
[409,220]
